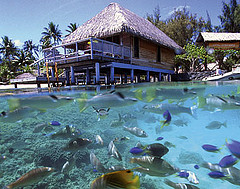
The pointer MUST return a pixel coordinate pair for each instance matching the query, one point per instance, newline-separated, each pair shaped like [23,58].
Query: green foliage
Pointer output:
[71,28]
[51,35]
[193,57]
[230,18]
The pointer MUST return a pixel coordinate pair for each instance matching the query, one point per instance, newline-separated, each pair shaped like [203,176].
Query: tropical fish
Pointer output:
[112,150]
[234,148]
[137,151]
[116,168]
[136,131]
[216,125]
[118,122]
[169,144]
[216,174]
[97,165]
[183,137]
[212,102]
[55,123]
[76,144]
[17,114]
[175,109]
[233,174]
[183,174]
[39,127]
[156,150]
[102,113]
[168,118]
[179,185]
[106,100]
[180,122]
[228,161]
[41,103]
[117,179]
[196,166]
[159,138]
[154,166]
[31,177]
[68,166]
[68,131]
[210,148]
[99,139]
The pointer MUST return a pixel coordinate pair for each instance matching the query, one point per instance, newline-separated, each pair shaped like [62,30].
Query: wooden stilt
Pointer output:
[160,76]
[112,75]
[72,75]
[125,77]
[148,76]
[97,70]
[88,77]
[132,75]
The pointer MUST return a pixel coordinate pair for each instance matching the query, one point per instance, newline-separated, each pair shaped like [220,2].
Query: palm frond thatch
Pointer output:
[116,19]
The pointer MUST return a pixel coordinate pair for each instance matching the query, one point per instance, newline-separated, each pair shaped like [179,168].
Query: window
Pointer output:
[158,54]
[136,47]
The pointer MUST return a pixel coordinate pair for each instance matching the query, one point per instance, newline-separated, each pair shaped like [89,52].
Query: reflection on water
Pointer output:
[157,134]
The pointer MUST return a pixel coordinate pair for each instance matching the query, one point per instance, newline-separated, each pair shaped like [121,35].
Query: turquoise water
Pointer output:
[28,140]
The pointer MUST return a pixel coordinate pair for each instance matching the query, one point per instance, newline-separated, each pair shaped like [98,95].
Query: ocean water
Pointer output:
[33,133]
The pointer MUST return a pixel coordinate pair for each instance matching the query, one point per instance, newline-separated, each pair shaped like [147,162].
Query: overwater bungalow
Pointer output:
[114,46]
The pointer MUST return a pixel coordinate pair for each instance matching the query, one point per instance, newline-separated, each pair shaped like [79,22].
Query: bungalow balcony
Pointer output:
[86,51]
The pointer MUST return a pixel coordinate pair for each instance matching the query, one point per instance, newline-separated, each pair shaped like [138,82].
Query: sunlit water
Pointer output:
[27,148]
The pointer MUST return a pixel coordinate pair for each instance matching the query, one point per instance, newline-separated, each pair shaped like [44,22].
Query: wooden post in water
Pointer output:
[88,77]
[168,77]
[160,76]
[148,76]
[47,74]
[97,70]
[125,77]
[67,77]
[72,75]
[112,75]
[132,75]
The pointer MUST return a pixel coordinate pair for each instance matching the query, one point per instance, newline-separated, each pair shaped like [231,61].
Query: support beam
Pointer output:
[132,75]
[97,70]
[168,77]
[121,78]
[148,76]
[108,78]
[72,75]
[138,78]
[125,77]
[52,72]
[67,77]
[160,76]
[88,77]
[112,75]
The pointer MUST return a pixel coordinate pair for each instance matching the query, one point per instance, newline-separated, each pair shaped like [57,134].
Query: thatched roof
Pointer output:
[116,19]
[211,36]
[25,75]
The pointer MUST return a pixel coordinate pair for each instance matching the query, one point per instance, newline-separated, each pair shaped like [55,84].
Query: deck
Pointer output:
[85,51]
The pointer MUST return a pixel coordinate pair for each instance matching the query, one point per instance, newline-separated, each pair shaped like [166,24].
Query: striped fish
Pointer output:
[31,177]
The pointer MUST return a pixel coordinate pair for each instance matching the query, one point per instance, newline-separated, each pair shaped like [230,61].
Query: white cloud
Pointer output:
[179,8]
[18,43]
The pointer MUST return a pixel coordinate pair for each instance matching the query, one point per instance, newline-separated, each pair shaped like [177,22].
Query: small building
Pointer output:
[222,41]
[116,45]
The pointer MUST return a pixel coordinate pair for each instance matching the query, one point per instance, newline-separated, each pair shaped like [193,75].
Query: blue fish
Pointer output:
[216,174]
[234,148]
[168,118]
[159,138]
[136,150]
[183,174]
[210,148]
[196,166]
[227,161]
[55,123]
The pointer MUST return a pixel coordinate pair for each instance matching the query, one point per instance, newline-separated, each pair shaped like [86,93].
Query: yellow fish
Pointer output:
[117,179]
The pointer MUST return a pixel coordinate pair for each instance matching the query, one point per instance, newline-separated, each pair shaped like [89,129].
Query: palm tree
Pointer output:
[30,48]
[72,27]
[52,32]
[8,49]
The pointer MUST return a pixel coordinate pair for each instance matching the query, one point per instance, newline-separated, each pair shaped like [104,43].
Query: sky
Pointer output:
[23,20]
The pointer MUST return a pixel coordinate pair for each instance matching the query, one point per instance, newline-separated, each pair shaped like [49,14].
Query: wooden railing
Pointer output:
[90,48]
